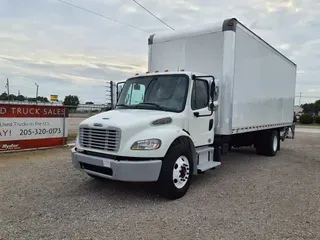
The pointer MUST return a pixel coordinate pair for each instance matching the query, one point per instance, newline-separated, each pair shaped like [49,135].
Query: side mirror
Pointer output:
[211,106]
[212,90]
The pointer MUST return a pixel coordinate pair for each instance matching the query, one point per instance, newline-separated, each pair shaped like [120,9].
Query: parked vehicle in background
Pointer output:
[206,91]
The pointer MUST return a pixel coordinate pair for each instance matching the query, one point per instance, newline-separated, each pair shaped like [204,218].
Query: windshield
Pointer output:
[161,92]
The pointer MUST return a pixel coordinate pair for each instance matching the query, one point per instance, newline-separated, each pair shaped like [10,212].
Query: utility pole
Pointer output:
[8,88]
[300,99]
[37,92]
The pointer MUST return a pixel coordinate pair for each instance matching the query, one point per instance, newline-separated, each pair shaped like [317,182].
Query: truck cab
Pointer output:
[161,130]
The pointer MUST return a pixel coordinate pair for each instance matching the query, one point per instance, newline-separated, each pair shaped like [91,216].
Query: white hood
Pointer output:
[124,118]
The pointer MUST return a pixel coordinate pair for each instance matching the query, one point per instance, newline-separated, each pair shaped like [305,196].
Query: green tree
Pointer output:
[12,97]
[317,106]
[4,96]
[308,107]
[72,101]
[20,98]
[42,99]
[305,119]
[311,107]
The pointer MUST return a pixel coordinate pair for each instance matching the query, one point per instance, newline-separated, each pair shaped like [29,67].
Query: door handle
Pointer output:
[210,124]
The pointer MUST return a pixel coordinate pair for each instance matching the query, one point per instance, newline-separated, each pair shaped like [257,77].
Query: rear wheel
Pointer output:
[268,143]
[177,169]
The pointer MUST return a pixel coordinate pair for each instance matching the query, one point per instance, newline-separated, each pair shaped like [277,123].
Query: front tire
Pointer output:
[177,170]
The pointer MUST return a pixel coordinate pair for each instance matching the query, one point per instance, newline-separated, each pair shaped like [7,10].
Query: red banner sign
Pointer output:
[32,126]
[31,111]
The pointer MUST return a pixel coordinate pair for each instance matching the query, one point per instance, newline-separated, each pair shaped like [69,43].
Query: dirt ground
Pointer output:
[249,197]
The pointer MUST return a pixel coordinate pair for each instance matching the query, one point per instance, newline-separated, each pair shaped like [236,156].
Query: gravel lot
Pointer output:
[249,197]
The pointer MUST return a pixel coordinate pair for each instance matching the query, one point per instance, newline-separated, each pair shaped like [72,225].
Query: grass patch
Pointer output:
[312,125]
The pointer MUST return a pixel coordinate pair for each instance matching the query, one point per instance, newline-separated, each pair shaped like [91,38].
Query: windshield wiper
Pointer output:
[123,105]
[153,104]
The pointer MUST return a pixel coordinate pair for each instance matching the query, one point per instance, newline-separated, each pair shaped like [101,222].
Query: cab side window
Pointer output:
[200,95]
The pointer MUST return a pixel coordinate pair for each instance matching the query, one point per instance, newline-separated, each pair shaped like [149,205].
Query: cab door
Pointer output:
[201,119]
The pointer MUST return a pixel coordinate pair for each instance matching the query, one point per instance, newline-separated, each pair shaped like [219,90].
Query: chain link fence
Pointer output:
[77,114]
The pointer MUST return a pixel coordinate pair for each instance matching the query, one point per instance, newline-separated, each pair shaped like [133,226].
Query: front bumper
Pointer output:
[129,171]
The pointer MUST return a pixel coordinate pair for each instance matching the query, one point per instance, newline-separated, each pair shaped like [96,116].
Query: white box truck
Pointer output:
[206,91]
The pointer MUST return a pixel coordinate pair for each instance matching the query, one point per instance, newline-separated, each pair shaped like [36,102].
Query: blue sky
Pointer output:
[68,51]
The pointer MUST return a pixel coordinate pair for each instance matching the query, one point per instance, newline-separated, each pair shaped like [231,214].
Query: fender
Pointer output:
[193,152]
[166,133]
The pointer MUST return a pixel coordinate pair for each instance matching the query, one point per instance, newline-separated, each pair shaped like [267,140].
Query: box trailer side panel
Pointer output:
[264,85]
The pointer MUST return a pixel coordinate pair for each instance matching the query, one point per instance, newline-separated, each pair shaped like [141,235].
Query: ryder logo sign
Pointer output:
[9,147]
[32,126]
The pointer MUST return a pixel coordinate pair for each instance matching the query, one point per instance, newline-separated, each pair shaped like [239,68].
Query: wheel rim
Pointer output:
[181,172]
[275,143]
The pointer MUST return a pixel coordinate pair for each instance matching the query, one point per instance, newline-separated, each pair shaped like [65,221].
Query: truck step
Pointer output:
[208,165]
[204,149]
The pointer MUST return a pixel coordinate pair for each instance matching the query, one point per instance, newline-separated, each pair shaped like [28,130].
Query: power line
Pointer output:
[153,15]
[100,15]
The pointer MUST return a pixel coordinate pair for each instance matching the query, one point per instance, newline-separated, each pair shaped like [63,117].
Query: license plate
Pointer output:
[106,163]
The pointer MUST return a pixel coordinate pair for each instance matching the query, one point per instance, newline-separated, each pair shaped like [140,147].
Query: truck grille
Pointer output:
[101,139]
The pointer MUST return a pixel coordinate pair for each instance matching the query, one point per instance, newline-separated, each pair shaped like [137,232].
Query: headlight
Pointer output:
[147,144]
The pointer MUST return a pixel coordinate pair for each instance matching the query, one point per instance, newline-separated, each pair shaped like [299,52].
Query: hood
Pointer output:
[124,118]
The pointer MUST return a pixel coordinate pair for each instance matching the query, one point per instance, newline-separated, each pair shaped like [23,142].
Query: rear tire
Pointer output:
[177,170]
[268,143]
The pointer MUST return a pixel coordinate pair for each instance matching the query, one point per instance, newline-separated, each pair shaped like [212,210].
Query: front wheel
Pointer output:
[177,170]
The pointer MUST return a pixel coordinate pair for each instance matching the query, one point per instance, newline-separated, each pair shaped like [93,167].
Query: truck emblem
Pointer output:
[97,125]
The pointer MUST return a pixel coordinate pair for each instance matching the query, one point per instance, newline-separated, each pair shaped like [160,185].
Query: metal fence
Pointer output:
[31,103]
[77,114]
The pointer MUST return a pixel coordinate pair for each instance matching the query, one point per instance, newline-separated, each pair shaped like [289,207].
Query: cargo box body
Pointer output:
[256,82]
